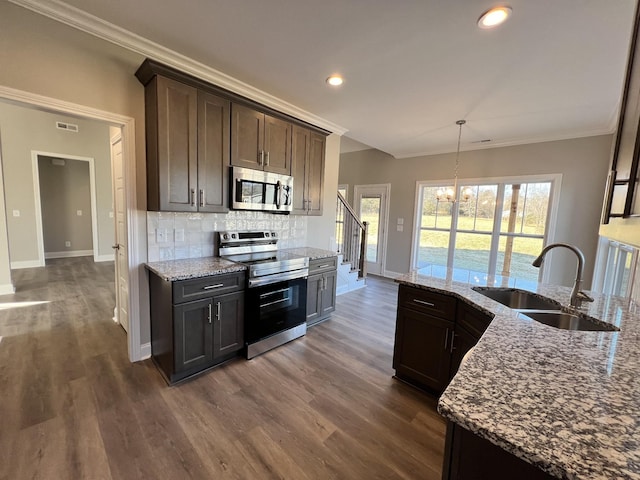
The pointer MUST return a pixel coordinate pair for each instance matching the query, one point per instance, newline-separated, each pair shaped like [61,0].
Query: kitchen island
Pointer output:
[567,402]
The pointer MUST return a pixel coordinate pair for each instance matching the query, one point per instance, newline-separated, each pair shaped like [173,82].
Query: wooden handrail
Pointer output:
[350,210]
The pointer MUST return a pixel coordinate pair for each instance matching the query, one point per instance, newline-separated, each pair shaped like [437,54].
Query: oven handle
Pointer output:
[264,295]
[274,302]
[281,277]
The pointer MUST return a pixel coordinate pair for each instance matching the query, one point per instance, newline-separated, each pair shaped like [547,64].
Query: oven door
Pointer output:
[273,308]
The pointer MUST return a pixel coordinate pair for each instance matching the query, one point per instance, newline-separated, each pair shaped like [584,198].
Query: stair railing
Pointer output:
[351,236]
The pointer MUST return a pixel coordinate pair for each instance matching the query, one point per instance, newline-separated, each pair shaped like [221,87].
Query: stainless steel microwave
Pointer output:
[257,190]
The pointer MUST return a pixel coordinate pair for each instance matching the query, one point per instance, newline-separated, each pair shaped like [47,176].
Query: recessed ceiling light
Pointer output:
[335,80]
[494,17]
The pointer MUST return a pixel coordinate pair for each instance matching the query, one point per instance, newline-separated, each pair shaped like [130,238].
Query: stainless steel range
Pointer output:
[276,297]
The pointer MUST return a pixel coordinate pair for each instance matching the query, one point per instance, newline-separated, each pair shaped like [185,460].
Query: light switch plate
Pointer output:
[399,227]
[400,221]
[110,214]
[79,213]
[16,213]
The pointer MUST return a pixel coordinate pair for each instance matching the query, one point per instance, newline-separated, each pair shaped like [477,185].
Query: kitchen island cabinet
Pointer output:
[563,402]
[433,333]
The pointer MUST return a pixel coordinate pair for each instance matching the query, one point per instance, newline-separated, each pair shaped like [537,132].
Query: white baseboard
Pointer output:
[394,275]
[145,351]
[104,258]
[68,254]
[7,289]
[26,264]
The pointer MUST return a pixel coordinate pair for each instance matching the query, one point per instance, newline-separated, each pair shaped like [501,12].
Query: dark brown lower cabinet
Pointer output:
[196,323]
[469,457]
[421,355]
[433,333]
[321,289]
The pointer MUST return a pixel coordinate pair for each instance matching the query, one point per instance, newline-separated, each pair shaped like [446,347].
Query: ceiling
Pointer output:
[412,67]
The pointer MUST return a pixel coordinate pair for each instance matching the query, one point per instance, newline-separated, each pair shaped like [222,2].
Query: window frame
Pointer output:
[549,233]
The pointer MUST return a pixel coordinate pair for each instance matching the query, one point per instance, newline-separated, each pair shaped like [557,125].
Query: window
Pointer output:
[616,264]
[498,231]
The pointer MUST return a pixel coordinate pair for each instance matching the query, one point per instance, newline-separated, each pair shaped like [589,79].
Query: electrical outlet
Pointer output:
[79,213]
[399,228]
[16,213]
[161,235]
[67,243]
[178,235]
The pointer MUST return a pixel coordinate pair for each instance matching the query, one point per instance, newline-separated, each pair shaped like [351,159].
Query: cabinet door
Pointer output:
[421,351]
[277,145]
[192,335]
[463,341]
[213,153]
[228,334]
[315,174]
[314,298]
[329,293]
[299,159]
[176,155]
[247,137]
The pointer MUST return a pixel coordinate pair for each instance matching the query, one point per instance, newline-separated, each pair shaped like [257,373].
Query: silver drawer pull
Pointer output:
[324,266]
[217,285]
[422,302]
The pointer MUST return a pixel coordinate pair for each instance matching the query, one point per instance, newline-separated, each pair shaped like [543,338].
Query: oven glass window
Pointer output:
[278,300]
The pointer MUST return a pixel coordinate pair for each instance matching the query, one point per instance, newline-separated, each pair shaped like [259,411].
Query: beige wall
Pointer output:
[321,230]
[64,191]
[583,163]
[42,56]
[25,130]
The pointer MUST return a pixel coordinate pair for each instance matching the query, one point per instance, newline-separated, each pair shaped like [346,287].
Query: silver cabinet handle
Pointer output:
[202,197]
[261,158]
[217,311]
[446,339]
[217,285]
[422,302]
[324,283]
[453,338]
[266,159]
[209,313]
[193,197]
[324,266]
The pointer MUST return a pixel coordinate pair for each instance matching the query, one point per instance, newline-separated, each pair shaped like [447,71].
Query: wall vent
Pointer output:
[69,127]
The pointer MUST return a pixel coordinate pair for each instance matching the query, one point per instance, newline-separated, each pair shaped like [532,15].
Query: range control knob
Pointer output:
[273,234]
[233,235]
[225,236]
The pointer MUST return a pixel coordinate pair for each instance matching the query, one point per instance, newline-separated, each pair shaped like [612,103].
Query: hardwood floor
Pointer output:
[322,407]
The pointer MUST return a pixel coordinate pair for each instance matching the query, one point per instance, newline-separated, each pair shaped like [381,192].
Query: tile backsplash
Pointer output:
[172,236]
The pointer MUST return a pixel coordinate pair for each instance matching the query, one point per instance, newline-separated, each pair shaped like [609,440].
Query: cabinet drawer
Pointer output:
[188,290]
[320,265]
[473,320]
[419,300]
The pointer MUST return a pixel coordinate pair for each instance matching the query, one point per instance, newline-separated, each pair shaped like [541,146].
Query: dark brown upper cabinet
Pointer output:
[622,183]
[187,148]
[307,168]
[260,141]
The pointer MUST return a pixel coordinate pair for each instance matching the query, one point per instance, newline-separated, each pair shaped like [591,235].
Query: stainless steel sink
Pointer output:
[570,321]
[543,310]
[518,299]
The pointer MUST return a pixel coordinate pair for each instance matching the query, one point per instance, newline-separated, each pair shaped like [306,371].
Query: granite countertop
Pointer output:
[187,268]
[565,401]
[312,253]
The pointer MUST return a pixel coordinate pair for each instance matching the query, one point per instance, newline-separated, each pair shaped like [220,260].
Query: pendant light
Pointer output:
[449,194]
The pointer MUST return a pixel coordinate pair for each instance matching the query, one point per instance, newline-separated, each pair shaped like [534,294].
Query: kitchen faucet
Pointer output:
[577,295]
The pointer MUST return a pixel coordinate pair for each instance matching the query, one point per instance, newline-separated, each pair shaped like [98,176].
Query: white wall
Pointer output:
[583,163]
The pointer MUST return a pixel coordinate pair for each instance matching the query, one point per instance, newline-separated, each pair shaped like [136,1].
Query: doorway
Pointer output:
[372,204]
[65,195]
[133,222]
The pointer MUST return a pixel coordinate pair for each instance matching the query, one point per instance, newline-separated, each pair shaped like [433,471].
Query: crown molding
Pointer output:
[97,27]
